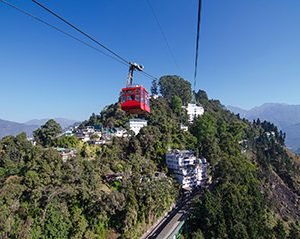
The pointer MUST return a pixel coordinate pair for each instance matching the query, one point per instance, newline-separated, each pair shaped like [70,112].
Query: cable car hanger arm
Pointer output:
[132,67]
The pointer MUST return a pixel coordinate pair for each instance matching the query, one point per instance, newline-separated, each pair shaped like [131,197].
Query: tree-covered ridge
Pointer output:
[249,159]
[117,190]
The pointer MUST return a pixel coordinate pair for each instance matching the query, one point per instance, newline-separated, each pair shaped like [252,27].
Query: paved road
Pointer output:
[172,220]
[171,226]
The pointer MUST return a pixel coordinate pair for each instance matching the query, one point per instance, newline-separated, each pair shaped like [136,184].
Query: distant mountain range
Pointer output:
[14,128]
[285,117]
[64,123]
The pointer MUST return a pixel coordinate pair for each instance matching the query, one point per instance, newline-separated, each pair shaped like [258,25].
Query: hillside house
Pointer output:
[119,132]
[137,124]
[189,171]
[68,133]
[193,111]
[66,153]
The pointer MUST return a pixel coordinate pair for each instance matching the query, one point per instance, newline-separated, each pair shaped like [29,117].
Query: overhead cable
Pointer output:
[60,30]
[197,42]
[163,34]
[88,36]
[148,75]
[82,32]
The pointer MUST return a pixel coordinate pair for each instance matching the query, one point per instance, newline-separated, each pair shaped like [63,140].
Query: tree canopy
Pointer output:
[46,134]
[171,86]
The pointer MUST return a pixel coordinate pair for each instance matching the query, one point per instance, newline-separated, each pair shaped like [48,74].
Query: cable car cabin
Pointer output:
[135,100]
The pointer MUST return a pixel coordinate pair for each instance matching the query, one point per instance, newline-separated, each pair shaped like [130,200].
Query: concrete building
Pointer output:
[88,133]
[136,124]
[120,132]
[66,153]
[83,136]
[189,171]
[31,140]
[193,111]
[90,129]
[68,133]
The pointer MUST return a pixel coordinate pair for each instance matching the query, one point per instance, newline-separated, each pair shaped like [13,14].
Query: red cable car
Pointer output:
[134,99]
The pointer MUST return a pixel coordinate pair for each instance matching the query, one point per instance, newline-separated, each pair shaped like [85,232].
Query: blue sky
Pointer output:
[249,53]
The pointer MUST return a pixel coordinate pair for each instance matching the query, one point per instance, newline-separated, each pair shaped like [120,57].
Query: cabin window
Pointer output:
[123,98]
[142,98]
[146,98]
[129,92]
[131,97]
[138,95]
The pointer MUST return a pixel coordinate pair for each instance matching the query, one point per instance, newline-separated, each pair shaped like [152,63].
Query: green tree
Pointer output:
[154,87]
[198,235]
[201,95]
[93,120]
[279,230]
[57,222]
[171,86]
[47,133]
[294,231]
[205,130]
[67,142]
[176,104]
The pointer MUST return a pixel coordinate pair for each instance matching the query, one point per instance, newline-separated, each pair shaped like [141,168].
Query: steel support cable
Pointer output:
[197,42]
[70,35]
[59,30]
[148,75]
[88,36]
[82,32]
[163,34]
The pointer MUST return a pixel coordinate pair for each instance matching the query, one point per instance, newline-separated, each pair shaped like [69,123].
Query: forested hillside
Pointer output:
[255,190]
[255,181]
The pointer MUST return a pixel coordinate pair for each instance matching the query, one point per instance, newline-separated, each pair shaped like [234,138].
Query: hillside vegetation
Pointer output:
[286,117]
[253,195]
[255,186]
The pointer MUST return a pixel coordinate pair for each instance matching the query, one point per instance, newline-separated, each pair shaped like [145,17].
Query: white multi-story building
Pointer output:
[136,124]
[194,111]
[188,170]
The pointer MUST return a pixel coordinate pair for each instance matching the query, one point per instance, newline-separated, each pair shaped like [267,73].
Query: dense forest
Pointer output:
[255,186]
[255,180]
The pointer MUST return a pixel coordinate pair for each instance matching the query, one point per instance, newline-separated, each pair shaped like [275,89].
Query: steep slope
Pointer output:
[256,184]
[293,136]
